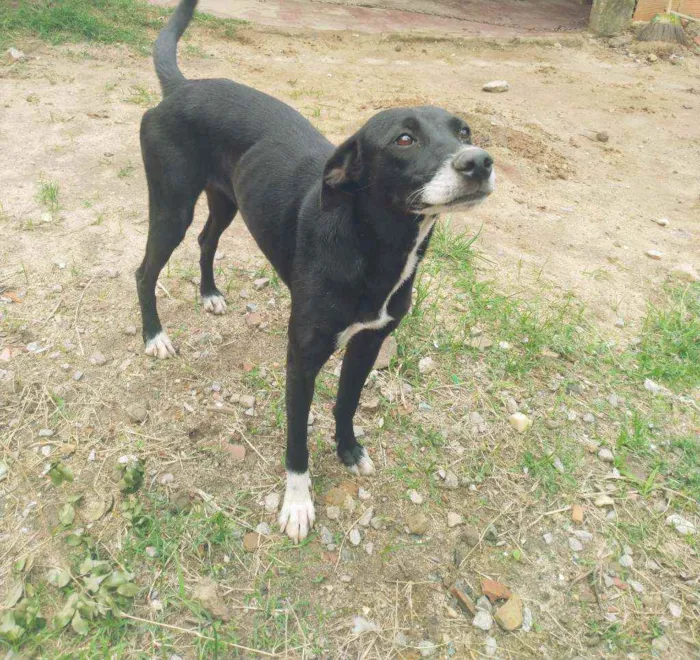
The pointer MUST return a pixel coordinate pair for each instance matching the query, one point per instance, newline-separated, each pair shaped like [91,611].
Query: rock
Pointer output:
[680,524]
[426,365]
[333,512]
[490,647]
[470,536]
[166,479]
[451,481]
[387,351]
[98,359]
[520,422]
[247,401]
[606,455]
[376,523]
[137,413]
[236,452]
[491,534]
[494,590]
[619,323]
[463,599]
[589,418]
[371,405]
[252,541]
[415,497]
[363,494]
[261,283]
[366,518]
[130,330]
[675,609]
[511,406]
[626,561]
[604,500]
[685,273]
[483,603]
[482,620]
[481,342]
[424,407]
[78,375]
[636,586]
[577,513]
[325,535]
[454,519]
[151,551]
[207,593]
[575,544]
[558,465]
[663,222]
[272,502]
[510,615]
[583,535]
[496,86]
[610,17]
[652,57]
[527,619]
[253,319]
[4,470]
[263,529]
[251,307]
[547,538]
[602,136]
[661,644]
[45,433]
[654,254]
[16,55]
[355,537]
[417,523]
[619,42]
[427,648]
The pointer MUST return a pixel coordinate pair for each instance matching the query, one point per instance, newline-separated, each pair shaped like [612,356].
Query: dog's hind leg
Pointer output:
[359,358]
[167,228]
[221,212]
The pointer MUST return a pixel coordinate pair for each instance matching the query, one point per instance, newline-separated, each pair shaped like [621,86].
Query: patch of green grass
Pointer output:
[131,22]
[682,468]
[669,351]
[48,195]
[100,21]
[143,96]
[125,171]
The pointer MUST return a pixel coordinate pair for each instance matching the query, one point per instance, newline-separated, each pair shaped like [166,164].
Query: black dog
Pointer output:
[345,227]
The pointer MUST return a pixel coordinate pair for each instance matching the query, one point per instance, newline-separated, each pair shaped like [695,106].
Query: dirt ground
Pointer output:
[573,216]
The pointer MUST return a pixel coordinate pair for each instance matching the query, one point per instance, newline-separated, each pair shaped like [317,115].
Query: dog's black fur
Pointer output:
[337,224]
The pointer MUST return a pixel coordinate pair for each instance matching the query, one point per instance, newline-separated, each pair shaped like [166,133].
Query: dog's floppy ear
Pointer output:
[342,173]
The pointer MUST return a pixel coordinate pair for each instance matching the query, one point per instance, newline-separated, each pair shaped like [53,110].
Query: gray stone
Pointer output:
[490,647]
[606,455]
[496,86]
[610,17]
[626,561]
[355,537]
[325,534]
[427,648]
[483,620]
[575,544]
[483,603]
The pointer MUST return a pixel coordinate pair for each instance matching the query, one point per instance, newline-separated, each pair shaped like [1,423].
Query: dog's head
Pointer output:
[411,160]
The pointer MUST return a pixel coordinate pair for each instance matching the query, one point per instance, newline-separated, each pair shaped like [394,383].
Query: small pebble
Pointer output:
[264,529]
[333,512]
[654,254]
[426,365]
[575,544]
[663,222]
[496,86]
[272,502]
[130,330]
[675,609]
[548,538]
[520,422]
[454,519]
[483,620]
[415,497]
[355,537]
[490,647]
[606,455]
[625,561]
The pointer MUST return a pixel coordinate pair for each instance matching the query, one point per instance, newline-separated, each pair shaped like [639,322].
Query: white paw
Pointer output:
[215,304]
[364,467]
[297,516]
[160,346]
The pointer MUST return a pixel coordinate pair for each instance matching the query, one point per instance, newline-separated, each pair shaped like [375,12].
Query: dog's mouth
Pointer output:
[462,201]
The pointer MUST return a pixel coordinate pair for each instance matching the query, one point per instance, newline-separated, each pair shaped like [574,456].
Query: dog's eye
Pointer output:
[464,133]
[404,140]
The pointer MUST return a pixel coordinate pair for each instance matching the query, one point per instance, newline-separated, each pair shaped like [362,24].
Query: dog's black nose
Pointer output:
[474,163]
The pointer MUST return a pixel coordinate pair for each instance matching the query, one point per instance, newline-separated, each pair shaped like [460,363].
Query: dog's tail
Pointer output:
[165,49]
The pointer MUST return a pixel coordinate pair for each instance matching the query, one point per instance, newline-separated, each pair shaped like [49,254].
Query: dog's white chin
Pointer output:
[454,206]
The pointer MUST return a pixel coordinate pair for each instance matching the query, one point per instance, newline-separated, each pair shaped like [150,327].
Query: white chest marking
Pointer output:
[409,267]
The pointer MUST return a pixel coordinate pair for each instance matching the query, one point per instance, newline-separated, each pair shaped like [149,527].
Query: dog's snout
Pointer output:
[474,163]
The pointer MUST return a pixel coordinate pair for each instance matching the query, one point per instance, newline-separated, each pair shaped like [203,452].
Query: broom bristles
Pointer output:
[664,27]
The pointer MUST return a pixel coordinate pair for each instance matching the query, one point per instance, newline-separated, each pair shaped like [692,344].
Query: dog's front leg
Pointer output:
[304,360]
[359,358]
